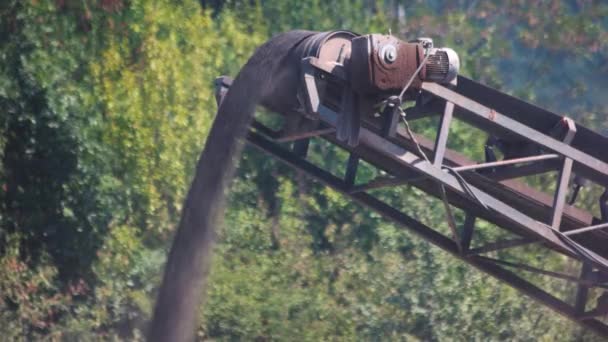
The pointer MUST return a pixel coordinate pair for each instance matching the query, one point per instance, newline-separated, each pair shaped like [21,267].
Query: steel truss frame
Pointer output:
[537,218]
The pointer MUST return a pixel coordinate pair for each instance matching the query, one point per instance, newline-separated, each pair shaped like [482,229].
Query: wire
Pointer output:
[412,136]
[407,85]
[465,185]
[578,249]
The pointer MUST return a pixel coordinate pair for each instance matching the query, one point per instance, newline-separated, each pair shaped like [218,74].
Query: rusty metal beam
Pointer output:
[497,207]
[384,181]
[442,133]
[537,270]
[559,199]
[305,134]
[502,244]
[594,168]
[506,162]
[428,234]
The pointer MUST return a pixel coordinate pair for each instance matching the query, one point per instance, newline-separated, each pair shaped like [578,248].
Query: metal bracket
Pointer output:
[390,116]
[309,88]
[559,199]
[349,123]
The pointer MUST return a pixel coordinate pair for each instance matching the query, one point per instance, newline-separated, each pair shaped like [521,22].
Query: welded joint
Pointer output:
[594,168]
[506,162]
[564,130]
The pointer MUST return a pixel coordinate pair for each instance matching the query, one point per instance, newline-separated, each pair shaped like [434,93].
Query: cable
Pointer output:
[407,85]
[578,249]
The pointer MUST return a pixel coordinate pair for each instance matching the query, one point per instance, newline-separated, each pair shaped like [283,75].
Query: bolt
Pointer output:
[389,53]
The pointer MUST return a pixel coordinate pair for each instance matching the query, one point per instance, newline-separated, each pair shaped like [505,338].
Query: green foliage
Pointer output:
[106,106]
[30,305]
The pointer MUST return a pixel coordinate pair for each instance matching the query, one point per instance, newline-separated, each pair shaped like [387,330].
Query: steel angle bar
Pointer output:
[537,270]
[468,228]
[587,229]
[510,172]
[442,133]
[427,233]
[497,207]
[540,119]
[405,176]
[559,199]
[563,183]
[361,197]
[531,201]
[382,182]
[598,168]
[506,162]
[306,134]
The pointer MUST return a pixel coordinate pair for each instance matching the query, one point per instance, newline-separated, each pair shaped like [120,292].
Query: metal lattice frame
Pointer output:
[540,220]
